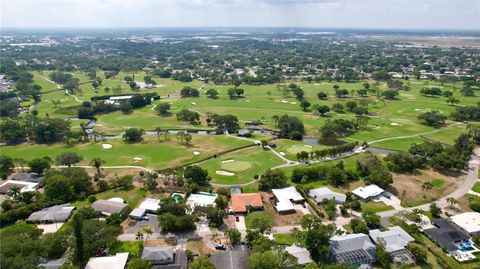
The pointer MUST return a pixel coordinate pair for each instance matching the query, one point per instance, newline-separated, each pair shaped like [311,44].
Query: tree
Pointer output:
[260,222]
[317,236]
[212,93]
[133,135]
[231,93]
[69,158]
[77,224]
[383,256]
[12,131]
[196,174]
[323,109]
[264,260]
[390,94]
[188,91]
[426,186]
[272,179]
[290,125]
[432,118]
[239,91]
[138,263]
[452,201]
[419,252]
[359,226]
[371,219]
[305,104]
[58,188]
[39,165]
[452,100]
[227,122]
[202,262]
[234,235]
[322,96]
[435,210]
[163,108]
[126,107]
[6,166]
[97,163]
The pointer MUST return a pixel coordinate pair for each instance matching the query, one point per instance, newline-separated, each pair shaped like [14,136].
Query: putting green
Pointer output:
[294,149]
[236,166]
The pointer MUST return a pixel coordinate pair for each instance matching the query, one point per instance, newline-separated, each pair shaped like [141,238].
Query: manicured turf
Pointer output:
[284,239]
[375,207]
[249,219]
[155,154]
[291,147]
[131,197]
[236,166]
[476,187]
[438,183]
[258,159]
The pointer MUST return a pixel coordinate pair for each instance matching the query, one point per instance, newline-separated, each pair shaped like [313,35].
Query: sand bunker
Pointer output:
[228,161]
[224,173]
[293,103]
[308,146]
[284,101]
[106,146]
[282,153]
[395,123]
[193,103]
[137,159]
[196,153]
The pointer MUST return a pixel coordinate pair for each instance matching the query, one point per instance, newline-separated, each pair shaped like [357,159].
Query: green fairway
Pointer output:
[246,163]
[153,154]
[290,148]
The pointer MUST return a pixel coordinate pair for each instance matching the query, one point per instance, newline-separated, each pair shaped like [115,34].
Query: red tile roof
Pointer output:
[241,201]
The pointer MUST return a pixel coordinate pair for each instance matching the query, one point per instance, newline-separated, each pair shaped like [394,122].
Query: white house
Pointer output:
[325,193]
[285,198]
[119,261]
[468,221]
[368,192]
[150,205]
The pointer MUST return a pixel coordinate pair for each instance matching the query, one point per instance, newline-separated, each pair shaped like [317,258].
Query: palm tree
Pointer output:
[452,201]
[427,186]
[22,163]
[139,236]
[159,131]
[97,163]
[14,191]
[148,231]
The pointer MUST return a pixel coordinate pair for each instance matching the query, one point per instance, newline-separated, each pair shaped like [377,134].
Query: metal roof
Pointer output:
[58,213]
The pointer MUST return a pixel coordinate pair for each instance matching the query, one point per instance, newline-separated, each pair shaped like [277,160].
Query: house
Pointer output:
[395,240]
[285,198]
[107,207]
[356,249]
[58,213]
[137,213]
[450,237]
[23,186]
[244,133]
[28,177]
[325,193]
[119,261]
[468,221]
[165,257]
[150,205]
[241,202]
[369,192]
[201,199]
[301,253]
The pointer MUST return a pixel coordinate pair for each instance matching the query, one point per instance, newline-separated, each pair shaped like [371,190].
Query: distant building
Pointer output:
[108,207]
[301,253]
[241,202]
[165,257]
[468,221]
[23,186]
[58,213]
[325,193]
[355,249]
[119,261]
[369,192]
[395,240]
[285,198]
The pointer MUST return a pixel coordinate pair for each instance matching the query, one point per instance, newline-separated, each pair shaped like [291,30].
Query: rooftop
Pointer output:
[22,185]
[202,199]
[446,234]
[300,253]
[118,261]
[158,253]
[285,196]
[395,238]
[108,207]
[58,213]
[350,242]
[241,201]
[325,193]
[150,204]
[368,191]
[469,221]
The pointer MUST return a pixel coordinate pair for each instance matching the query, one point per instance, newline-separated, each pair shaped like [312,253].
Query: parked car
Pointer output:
[237,218]
[220,247]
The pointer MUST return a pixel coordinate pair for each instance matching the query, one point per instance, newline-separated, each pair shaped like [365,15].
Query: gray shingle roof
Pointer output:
[446,233]
[109,207]
[58,213]
[350,242]
[325,193]
[158,253]
[395,238]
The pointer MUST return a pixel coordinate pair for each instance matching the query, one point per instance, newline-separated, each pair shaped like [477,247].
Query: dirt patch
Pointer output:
[280,219]
[408,188]
[198,246]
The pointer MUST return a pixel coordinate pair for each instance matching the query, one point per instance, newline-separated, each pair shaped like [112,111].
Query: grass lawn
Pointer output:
[476,187]
[244,164]
[132,197]
[249,219]
[134,248]
[155,154]
[284,239]
[438,183]
[375,207]
[290,147]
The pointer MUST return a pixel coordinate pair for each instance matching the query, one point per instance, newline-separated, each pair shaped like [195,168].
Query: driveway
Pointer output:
[392,201]
[240,224]
[152,222]
[235,258]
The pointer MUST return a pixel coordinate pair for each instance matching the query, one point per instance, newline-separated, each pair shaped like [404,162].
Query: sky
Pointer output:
[360,14]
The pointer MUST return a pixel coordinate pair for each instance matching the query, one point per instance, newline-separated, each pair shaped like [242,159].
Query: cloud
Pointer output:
[399,14]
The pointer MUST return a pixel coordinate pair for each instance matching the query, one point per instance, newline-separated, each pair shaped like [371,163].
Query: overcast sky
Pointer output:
[385,14]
